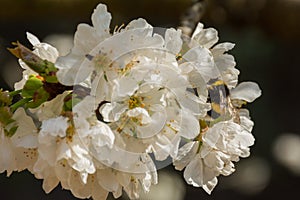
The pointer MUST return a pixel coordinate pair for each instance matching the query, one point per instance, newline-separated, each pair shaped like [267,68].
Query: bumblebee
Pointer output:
[222,107]
[218,97]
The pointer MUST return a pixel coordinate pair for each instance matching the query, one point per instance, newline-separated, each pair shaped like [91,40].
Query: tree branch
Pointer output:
[192,16]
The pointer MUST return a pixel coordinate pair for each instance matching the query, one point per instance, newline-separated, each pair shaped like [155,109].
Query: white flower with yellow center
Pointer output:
[148,104]
[64,141]
[222,64]
[218,146]
[145,91]
[135,77]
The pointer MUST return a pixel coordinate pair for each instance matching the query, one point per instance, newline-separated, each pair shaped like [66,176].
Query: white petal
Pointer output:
[224,62]
[50,183]
[193,173]
[107,180]
[140,113]
[101,19]
[102,135]
[205,37]
[185,155]
[85,108]
[210,185]
[221,48]
[50,109]
[197,174]
[198,29]
[47,153]
[32,39]
[125,86]
[129,41]
[26,134]
[139,24]
[7,157]
[247,91]
[43,50]
[246,122]
[132,189]
[55,126]
[98,193]
[214,161]
[77,187]
[46,51]
[165,147]
[189,125]
[71,70]
[26,73]
[85,39]
[173,40]
[158,120]
[203,62]
[226,65]
[62,151]
[112,111]
[245,139]
[212,136]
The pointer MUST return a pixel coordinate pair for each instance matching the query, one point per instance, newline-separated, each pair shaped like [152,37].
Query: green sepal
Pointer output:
[50,72]
[6,121]
[44,68]
[31,86]
[26,55]
[199,147]
[11,131]
[70,101]
[5,98]
[6,116]
[51,79]
[40,96]
[50,67]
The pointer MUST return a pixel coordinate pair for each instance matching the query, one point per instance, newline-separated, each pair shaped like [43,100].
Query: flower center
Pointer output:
[101,61]
[128,67]
[69,133]
[135,101]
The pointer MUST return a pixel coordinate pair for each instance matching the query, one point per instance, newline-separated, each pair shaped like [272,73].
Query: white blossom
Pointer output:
[18,152]
[139,96]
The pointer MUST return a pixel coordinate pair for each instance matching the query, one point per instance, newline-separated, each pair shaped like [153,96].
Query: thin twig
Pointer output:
[192,16]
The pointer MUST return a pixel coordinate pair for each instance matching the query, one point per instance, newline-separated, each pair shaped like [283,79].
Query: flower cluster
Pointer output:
[99,119]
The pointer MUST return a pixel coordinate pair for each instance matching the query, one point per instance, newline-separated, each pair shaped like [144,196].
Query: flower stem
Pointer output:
[20,103]
[192,16]
[13,93]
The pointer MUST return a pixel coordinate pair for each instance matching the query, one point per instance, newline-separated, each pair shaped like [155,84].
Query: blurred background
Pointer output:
[267,38]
